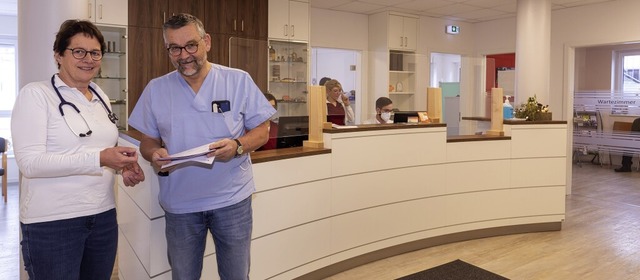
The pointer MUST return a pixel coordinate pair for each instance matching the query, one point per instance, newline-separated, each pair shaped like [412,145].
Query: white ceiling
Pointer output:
[472,11]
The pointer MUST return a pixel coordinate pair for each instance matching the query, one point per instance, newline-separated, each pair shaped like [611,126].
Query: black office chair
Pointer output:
[3,170]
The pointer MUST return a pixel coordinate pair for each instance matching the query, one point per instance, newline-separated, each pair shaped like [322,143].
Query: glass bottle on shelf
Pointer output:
[272,53]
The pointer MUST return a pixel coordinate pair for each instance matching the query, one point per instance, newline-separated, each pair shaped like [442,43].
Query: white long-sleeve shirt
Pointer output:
[61,177]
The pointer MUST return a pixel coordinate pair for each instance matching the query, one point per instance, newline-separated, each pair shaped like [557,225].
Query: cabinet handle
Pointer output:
[90,13]
[286,29]
[406,41]
[164,16]
[401,41]
[293,30]
[100,11]
[242,25]
[234,25]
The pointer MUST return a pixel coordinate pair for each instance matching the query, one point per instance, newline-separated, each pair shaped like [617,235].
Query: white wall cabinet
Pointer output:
[403,32]
[289,20]
[392,41]
[108,11]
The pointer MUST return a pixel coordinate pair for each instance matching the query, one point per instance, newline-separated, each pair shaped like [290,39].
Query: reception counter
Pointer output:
[371,193]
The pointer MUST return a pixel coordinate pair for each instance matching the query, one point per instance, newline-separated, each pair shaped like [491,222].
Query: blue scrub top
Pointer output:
[170,110]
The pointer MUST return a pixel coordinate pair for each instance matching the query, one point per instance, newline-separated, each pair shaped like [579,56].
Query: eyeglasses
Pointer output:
[190,48]
[82,53]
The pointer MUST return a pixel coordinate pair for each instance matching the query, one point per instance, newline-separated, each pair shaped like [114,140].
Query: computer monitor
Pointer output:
[292,131]
[406,117]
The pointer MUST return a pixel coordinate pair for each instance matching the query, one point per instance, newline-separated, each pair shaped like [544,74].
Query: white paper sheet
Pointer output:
[197,154]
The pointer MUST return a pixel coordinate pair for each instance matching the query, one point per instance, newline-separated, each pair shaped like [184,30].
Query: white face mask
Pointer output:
[385,116]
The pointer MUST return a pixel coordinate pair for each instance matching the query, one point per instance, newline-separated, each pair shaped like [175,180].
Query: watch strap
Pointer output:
[239,149]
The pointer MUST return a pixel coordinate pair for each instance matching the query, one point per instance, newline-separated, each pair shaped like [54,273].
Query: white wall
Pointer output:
[342,30]
[612,22]
[9,25]
[607,23]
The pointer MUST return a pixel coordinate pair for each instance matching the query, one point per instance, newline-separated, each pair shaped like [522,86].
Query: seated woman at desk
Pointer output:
[339,109]
[273,126]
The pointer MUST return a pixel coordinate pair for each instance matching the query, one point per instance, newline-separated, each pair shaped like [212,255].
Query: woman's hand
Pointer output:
[345,99]
[132,174]
[118,157]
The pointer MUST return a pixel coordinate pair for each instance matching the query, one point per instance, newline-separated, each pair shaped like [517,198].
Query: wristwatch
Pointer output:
[239,150]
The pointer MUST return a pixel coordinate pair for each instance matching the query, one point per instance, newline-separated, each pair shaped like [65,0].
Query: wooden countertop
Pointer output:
[514,122]
[371,127]
[256,157]
[470,138]
[279,154]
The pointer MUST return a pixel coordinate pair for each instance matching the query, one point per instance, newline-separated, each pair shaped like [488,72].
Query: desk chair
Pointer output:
[3,170]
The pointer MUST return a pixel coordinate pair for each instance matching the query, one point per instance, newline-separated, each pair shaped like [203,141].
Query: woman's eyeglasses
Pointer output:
[82,53]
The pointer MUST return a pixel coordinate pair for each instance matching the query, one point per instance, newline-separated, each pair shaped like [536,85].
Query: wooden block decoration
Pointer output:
[497,120]
[434,104]
[316,101]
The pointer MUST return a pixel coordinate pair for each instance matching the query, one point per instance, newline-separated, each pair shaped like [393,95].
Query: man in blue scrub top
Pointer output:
[197,104]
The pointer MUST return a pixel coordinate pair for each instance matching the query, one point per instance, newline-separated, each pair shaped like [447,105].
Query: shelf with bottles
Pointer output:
[118,101]
[112,77]
[288,82]
[402,67]
[288,61]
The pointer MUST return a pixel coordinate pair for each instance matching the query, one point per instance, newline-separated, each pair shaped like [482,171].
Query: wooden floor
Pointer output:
[600,239]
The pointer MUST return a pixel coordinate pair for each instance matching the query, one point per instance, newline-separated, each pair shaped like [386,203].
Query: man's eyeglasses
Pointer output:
[82,53]
[190,48]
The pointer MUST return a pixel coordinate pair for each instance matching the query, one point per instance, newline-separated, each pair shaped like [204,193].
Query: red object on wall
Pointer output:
[495,61]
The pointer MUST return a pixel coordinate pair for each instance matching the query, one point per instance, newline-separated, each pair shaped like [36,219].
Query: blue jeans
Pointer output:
[77,248]
[231,229]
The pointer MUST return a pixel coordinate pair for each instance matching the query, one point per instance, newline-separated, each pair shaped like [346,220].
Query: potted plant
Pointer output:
[533,111]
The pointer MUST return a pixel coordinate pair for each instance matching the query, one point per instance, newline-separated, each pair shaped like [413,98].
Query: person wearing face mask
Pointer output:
[339,109]
[384,107]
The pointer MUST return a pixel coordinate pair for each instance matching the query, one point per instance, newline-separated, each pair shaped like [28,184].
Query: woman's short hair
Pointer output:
[332,84]
[70,28]
[270,97]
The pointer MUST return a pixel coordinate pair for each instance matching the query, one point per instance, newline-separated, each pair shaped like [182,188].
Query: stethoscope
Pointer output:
[63,102]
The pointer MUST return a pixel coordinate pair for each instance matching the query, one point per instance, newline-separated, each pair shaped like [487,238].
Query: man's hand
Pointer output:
[223,150]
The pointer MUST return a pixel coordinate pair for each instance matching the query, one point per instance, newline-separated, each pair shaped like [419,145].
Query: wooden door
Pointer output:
[147,13]
[221,16]
[193,7]
[253,15]
[148,59]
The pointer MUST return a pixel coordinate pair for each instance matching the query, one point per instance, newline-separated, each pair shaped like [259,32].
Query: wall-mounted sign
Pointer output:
[452,29]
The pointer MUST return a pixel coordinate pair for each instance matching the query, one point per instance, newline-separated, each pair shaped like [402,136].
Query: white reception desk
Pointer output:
[374,192]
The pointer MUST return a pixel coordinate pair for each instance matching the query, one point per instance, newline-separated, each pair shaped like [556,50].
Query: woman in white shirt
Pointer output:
[65,138]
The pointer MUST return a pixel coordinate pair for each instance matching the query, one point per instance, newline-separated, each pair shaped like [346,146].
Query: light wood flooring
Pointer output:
[600,239]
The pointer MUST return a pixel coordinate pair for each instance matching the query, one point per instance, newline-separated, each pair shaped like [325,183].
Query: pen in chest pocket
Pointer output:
[220,106]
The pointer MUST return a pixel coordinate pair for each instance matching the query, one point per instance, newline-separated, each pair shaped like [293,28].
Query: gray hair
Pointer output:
[181,20]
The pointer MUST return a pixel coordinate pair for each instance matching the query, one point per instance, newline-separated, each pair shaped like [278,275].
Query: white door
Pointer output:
[342,65]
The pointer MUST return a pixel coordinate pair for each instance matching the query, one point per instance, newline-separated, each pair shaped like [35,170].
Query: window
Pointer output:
[8,83]
[628,72]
